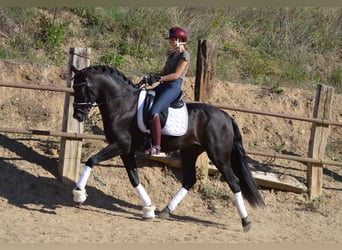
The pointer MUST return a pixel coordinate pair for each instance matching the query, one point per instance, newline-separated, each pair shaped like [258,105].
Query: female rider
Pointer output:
[170,87]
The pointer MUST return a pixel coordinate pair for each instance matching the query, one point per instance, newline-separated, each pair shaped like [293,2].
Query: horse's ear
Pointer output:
[73,69]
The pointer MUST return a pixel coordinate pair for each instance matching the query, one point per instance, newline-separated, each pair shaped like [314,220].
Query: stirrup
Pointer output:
[153,151]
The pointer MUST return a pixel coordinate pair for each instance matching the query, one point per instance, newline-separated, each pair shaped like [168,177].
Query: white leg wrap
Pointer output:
[143,195]
[79,195]
[82,181]
[177,198]
[148,209]
[240,205]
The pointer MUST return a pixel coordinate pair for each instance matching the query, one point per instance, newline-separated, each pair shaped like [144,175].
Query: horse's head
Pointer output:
[94,84]
[83,95]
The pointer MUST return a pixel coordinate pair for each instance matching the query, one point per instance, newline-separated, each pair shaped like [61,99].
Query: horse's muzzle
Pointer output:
[79,115]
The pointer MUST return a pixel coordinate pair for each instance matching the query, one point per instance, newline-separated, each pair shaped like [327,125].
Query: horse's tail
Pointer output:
[241,169]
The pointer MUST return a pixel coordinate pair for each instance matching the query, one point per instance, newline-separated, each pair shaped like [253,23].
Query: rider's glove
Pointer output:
[150,79]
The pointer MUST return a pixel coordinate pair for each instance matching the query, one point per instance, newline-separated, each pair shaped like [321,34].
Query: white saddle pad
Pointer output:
[176,123]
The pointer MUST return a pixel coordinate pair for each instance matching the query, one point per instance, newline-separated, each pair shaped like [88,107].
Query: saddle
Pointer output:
[174,120]
[149,100]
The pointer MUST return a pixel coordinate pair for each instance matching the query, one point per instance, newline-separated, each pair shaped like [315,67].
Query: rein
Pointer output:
[127,94]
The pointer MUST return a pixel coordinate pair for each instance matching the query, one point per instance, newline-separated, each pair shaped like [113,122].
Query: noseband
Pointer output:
[84,107]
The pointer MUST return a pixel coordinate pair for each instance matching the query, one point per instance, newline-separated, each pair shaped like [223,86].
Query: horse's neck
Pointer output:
[118,100]
[116,108]
[112,90]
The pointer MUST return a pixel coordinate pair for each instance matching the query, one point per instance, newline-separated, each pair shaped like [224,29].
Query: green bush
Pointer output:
[51,37]
[109,58]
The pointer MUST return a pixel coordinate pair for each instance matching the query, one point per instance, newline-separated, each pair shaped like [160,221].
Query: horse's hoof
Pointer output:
[78,204]
[165,214]
[80,195]
[148,212]
[246,224]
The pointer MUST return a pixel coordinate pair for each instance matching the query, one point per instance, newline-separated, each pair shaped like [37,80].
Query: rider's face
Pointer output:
[173,42]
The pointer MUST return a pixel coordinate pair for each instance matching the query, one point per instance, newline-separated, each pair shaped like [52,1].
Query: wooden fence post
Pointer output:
[204,83]
[71,149]
[205,70]
[318,139]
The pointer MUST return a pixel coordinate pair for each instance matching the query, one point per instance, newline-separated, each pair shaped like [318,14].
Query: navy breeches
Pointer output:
[166,93]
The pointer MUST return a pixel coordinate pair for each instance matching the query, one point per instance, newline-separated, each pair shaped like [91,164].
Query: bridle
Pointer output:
[84,107]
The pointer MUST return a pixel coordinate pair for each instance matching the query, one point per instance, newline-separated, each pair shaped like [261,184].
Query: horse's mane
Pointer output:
[113,72]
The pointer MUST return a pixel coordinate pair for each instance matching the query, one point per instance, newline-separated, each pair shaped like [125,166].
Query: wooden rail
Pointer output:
[78,136]
[287,116]
[294,158]
[69,135]
[37,87]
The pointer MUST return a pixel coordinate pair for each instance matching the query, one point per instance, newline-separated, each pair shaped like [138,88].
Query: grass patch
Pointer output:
[297,47]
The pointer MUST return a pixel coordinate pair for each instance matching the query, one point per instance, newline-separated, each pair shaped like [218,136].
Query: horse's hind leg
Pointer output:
[189,179]
[221,158]
[233,183]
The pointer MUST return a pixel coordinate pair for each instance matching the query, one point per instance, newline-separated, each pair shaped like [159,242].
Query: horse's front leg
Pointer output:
[79,192]
[131,168]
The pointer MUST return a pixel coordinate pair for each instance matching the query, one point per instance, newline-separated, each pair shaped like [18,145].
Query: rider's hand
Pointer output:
[150,79]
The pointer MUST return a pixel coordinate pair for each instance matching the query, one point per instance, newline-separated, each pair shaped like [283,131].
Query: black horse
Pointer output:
[209,129]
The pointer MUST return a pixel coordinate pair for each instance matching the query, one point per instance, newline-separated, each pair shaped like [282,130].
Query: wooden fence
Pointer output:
[206,64]
[72,131]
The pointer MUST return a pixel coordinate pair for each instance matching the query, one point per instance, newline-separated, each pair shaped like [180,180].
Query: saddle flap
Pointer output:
[174,121]
[149,99]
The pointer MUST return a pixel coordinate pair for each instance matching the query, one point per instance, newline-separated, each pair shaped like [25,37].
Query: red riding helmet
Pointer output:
[177,32]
